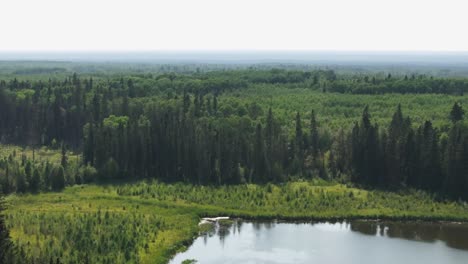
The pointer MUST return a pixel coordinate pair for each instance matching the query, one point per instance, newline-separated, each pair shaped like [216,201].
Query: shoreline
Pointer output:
[187,243]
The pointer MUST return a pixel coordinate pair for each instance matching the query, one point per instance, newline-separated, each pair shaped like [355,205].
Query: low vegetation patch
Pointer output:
[148,222]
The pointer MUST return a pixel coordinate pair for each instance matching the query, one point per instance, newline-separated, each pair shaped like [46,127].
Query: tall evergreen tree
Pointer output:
[429,173]
[269,131]
[64,158]
[457,112]
[6,246]
[299,146]
[394,148]
[58,178]
[259,155]
[35,183]
[366,154]
[314,135]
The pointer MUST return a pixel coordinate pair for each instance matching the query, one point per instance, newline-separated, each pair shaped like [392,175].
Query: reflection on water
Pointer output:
[340,242]
[455,235]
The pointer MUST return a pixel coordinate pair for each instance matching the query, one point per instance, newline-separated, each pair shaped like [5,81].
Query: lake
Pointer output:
[362,242]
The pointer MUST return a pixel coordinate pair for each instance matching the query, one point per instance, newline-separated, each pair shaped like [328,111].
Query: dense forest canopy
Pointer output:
[289,141]
[228,127]
[48,65]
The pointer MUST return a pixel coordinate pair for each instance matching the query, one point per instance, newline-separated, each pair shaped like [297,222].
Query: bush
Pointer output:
[87,173]
[109,170]
[58,178]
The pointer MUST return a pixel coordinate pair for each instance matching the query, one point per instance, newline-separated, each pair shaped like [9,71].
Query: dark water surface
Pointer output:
[363,242]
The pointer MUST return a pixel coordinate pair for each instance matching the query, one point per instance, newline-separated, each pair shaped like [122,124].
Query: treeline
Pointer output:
[420,84]
[39,112]
[190,140]
[403,155]
[46,112]
[172,127]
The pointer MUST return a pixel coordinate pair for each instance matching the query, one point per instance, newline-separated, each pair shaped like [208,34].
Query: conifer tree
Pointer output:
[314,135]
[6,246]
[457,112]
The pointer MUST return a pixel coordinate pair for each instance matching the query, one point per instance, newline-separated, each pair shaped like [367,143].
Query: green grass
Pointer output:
[148,222]
[65,225]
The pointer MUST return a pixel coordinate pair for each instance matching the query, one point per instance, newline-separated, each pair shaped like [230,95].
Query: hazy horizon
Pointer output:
[244,56]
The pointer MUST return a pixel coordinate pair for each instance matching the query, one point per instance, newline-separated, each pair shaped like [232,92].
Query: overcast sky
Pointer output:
[113,25]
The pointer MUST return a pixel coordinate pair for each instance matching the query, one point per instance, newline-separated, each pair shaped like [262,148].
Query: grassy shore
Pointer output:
[148,222]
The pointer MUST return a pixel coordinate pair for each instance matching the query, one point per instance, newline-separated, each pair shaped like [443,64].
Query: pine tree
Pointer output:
[88,151]
[96,107]
[21,184]
[429,161]
[365,119]
[6,247]
[410,159]
[64,159]
[299,146]
[366,153]
[125,105]
[314,135]
[299,139]
[215,104]
[457,113]
[35,183]
[186,102]
[259,155]
[394,147]
[58,178]
[196,106]
[269,131]
[356,153]
[28,171]
[131,88]
[456,183]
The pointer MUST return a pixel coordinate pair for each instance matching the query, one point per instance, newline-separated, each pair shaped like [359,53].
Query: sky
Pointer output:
[220,25]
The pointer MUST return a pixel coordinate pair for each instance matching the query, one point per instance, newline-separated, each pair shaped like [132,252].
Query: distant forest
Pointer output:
[201,127]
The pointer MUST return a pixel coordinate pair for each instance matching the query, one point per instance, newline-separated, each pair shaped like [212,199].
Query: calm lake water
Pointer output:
[348,242]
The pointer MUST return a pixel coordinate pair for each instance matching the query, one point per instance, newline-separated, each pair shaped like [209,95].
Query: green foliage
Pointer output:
[57,178]
[189,261]
[304,200]
[213,127]
[110,169]
[115,121]
[103,236]
[457,113]
[148,222]
[225,131]
[6,246]
[87,174]
[36,170]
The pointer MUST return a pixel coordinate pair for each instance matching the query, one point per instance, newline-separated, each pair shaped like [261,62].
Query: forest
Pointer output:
[197,128]
[196,134]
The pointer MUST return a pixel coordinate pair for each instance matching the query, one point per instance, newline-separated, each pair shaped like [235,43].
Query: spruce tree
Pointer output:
[259,155]
[64,158]
[299,138]
[299,146]
[35,183]
[58,178]
[314,135]
[6,247]
[457,112]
